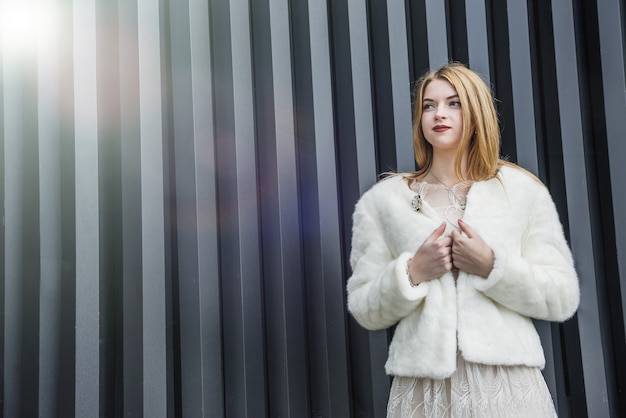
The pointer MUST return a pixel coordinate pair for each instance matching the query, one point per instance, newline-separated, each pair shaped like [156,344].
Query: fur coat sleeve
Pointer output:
[487,319]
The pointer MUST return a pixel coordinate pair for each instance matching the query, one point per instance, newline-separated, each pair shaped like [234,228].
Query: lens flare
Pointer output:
[26,26]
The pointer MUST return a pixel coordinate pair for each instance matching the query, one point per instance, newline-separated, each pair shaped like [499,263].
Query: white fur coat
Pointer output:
[488,320]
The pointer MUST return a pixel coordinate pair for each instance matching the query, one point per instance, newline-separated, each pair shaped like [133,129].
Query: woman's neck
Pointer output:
[443,171]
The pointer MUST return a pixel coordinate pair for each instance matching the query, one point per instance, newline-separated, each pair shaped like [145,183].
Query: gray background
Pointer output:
[178,179]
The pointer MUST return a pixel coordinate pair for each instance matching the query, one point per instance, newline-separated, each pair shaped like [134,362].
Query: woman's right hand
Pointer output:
[433,259]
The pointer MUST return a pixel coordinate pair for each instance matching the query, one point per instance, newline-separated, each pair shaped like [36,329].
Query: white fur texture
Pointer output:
[487,319]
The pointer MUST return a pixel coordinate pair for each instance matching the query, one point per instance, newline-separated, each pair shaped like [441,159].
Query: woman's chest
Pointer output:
[406,226]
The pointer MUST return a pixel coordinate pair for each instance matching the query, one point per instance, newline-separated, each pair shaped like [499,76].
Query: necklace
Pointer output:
[456,199]
[442,183]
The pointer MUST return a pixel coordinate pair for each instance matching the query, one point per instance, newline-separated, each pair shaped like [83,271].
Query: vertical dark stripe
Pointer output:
[66,378]
[128,367]
[110,204]
[225,158]
[501,77]
[131,369]
[274,121]
[31,263]
[418,45]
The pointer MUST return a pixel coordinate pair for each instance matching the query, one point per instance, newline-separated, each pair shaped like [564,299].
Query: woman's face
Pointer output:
[442,118]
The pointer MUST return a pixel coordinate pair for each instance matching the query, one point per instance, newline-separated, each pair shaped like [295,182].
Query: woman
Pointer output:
[460,255]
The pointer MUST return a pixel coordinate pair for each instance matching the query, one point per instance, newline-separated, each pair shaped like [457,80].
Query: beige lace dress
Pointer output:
[474,390]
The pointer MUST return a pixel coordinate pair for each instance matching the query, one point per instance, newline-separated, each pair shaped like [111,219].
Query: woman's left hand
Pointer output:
[470,253]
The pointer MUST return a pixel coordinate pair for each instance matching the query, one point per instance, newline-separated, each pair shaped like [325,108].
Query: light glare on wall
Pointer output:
[26,26]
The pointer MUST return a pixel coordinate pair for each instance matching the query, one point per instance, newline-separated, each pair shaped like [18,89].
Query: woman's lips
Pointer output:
[441,128]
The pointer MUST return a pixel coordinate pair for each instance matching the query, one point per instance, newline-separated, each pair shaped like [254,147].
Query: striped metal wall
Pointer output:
[178,178]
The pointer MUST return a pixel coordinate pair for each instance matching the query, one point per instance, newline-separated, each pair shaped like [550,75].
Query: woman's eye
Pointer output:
[427,106]
[455,103]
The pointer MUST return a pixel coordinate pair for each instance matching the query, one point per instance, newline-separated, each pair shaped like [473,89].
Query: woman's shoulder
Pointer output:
[517,177]
[386,189]
[389,182]
[524,188]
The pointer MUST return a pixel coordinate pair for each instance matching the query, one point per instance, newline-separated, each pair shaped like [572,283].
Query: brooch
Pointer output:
[416,203]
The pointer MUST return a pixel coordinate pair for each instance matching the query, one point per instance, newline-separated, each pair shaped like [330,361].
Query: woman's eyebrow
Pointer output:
[454,96]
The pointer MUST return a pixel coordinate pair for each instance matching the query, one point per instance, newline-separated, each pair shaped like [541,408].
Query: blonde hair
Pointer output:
[481,133]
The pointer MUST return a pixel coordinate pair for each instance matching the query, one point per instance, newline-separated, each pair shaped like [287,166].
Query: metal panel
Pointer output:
[248,211]
[130,150]
[612,30]
[187,234]
[363,94]
[50,208]
[206,196]
[375,391]
[400,85]
[208,256]
[522,86]
[329,295]
[87,211]
[289,358]
[12,221]
[436,23]
[477,43]
[243,319]
[153,315]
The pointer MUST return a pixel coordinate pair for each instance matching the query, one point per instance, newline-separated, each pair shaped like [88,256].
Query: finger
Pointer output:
[466,228]
[457,239]
[445,242]
[437,233]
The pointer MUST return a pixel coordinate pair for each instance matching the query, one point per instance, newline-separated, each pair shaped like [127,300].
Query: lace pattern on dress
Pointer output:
[449,203]
[474,390]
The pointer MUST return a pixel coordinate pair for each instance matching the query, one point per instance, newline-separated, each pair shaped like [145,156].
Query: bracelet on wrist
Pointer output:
[408,273]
